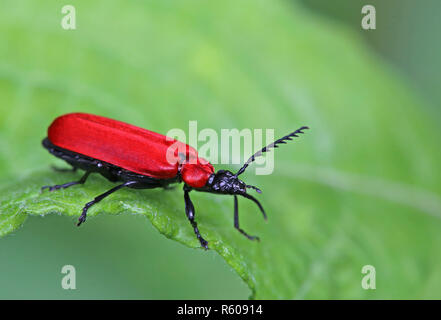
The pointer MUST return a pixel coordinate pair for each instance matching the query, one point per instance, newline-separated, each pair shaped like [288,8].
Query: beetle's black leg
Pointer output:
[236,221]
[73,169]
[83,216]
[69,184]
[189,210]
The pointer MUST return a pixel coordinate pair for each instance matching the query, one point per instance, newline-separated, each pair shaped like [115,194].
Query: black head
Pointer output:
[226,182]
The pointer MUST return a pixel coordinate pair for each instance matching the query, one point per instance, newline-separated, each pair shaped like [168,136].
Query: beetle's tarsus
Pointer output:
[253,238]
[50,188]
[67,185]
[204,244]
[58,186]
[81,219]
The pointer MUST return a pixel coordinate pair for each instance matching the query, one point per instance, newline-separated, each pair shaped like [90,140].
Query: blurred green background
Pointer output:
[406,37]
[363,189]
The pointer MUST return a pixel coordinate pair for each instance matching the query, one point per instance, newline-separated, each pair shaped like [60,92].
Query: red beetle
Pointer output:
[142,159]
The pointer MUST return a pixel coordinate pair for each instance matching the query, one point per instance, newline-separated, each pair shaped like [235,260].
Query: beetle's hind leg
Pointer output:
[236,221]
[69,184]
[83,216]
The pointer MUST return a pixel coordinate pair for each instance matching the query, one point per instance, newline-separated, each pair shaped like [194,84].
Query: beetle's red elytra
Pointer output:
[139,158]
[124,145]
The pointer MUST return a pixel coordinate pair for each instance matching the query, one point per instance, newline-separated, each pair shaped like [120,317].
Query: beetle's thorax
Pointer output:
[226,182]
[197,174]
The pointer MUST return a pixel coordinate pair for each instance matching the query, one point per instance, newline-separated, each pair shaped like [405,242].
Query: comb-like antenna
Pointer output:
[268,147]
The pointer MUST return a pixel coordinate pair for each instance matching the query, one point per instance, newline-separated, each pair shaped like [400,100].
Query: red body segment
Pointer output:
[196,175]
[129,147]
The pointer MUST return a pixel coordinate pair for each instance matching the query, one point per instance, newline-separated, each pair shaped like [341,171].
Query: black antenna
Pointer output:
[271,145]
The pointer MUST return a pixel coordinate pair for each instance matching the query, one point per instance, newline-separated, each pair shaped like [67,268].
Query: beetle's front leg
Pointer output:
[189,210]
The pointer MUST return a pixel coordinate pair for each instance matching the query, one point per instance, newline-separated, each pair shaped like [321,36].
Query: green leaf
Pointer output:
[362,187]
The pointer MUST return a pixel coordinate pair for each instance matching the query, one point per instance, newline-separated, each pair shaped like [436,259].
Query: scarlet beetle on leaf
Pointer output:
[140,159]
